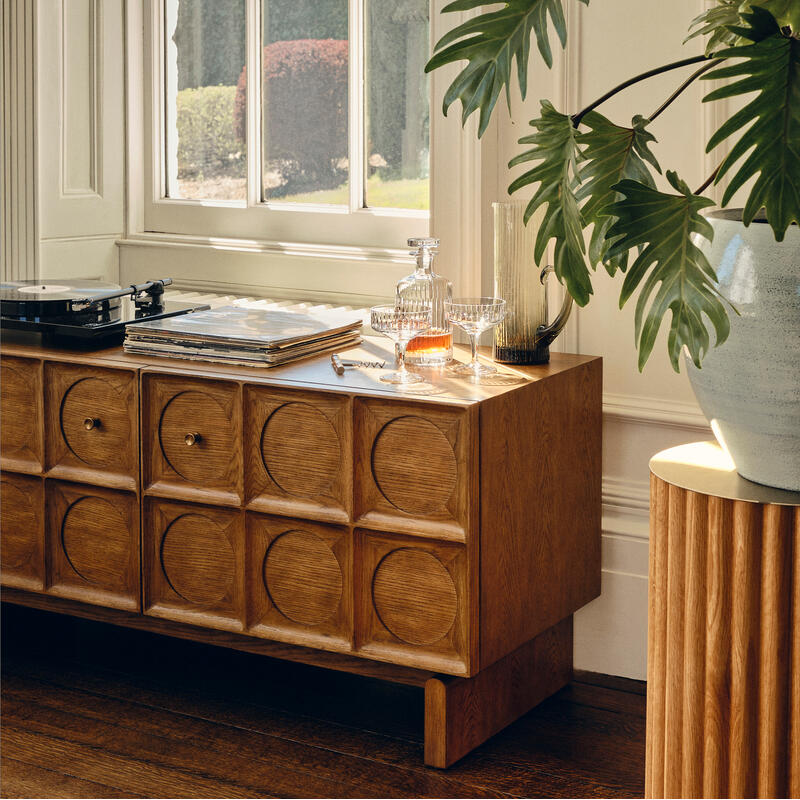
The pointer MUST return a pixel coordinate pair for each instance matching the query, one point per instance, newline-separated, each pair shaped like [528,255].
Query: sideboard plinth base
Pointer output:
[462,713]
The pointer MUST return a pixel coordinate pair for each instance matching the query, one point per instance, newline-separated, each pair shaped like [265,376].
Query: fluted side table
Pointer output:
[723,666]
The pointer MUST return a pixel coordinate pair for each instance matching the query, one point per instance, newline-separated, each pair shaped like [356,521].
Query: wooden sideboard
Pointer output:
[442,540]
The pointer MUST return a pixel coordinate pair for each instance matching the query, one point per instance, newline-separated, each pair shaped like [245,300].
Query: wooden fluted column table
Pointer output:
[723,665]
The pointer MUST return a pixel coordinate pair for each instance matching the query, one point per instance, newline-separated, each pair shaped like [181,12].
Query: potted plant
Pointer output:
[593,178]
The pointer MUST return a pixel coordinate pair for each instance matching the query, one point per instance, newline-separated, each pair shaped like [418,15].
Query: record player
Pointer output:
[85,312]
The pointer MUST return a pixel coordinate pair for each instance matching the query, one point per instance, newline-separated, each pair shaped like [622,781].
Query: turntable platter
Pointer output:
[38,292]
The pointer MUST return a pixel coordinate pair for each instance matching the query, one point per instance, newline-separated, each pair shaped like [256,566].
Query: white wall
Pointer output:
[609,42]
[646,412]
[79,215]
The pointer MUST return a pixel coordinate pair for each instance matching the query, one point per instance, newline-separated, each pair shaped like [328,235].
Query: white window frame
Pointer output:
[306,222]
[348,254]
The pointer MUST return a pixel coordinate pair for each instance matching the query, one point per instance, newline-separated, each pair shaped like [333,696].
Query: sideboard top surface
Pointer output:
[316,372]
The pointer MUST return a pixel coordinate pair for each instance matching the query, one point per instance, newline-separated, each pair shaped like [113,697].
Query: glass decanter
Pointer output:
[424,287]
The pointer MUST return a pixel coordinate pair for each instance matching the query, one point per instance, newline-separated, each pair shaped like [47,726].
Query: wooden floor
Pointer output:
[89,710]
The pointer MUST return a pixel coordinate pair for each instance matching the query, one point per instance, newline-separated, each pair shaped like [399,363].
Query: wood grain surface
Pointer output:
[193,564]
[414,468]
[93,544]
[414,596]
[723,677]
[325,521]
[299,453]
[107,454]
[100,717]
[461,713]
[299,582]
[207,467]
[540,467]
[21,531]
[21,430]
[414,602]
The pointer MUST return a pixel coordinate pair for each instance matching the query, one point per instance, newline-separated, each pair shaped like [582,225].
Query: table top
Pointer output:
[706,468]
[316,372]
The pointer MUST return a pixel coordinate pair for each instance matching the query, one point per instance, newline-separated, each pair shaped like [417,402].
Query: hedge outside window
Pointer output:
[308,152]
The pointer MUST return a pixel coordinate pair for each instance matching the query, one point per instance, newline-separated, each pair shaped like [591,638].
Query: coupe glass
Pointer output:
[401,325]
[475,315]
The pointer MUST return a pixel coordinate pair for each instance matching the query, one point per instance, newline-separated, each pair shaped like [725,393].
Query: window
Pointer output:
[288,120]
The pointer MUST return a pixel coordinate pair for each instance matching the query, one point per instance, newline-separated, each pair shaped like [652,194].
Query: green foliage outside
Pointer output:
[207,143]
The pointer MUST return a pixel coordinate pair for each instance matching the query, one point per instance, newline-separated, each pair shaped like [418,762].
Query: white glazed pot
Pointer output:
[749,388]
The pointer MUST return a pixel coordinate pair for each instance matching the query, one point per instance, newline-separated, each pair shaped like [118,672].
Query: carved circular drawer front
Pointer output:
[300,450]
[414,596]
[18,416]
[95,422]
[96,542]
[196,436]
[18,522]
[197,559]
[303,577]
[414,465]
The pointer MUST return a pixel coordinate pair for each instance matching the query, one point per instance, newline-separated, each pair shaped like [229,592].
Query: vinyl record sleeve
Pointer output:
[267,329]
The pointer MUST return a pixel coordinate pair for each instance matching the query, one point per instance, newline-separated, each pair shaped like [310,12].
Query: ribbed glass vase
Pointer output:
[516,279]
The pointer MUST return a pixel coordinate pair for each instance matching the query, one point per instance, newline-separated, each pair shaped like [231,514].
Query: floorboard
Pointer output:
[90,710]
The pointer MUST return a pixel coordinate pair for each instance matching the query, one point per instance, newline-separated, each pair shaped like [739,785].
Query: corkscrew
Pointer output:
[339,364]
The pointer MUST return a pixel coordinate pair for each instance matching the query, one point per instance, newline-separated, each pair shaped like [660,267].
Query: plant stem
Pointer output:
[576,118]
[707,182]
[688,82]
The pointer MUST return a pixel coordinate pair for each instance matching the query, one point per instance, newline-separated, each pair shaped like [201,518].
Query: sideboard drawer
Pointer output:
[300,584]
[91,425]
[21,440]
[193,564]
[416,603]
[93,544]
[299,453]
[192,438]
[21,531]
[415,468]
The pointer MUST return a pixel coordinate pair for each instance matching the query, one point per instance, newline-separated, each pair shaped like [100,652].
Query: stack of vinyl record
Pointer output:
[245,336]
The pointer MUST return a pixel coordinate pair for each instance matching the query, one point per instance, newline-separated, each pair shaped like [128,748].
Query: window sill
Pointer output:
[337,274]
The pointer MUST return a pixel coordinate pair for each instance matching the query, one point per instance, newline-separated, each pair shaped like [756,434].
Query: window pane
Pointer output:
[397,104]
[205,109]
[305,113]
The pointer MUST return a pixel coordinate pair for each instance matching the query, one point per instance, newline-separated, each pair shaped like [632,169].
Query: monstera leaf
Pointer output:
[771,67]
[556,150]
[673,272]
[490,42]
[612,153]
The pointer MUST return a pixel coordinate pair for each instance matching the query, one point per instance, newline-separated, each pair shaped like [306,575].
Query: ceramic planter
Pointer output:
[749,388]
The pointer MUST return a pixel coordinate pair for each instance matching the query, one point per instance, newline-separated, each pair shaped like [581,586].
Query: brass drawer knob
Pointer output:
[91,423]
[192,439]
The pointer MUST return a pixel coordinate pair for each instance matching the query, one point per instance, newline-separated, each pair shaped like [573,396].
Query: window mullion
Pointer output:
[253,59]
[356,102]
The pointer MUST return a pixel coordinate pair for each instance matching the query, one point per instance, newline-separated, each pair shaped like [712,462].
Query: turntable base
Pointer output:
[313,517]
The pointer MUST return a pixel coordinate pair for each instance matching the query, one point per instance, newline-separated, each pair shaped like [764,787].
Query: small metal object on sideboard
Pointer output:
[339,364]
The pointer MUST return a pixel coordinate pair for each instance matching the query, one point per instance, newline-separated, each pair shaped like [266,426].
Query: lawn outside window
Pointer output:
[304,121]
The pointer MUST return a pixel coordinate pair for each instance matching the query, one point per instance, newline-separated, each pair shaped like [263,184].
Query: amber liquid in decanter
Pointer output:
[424,288]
